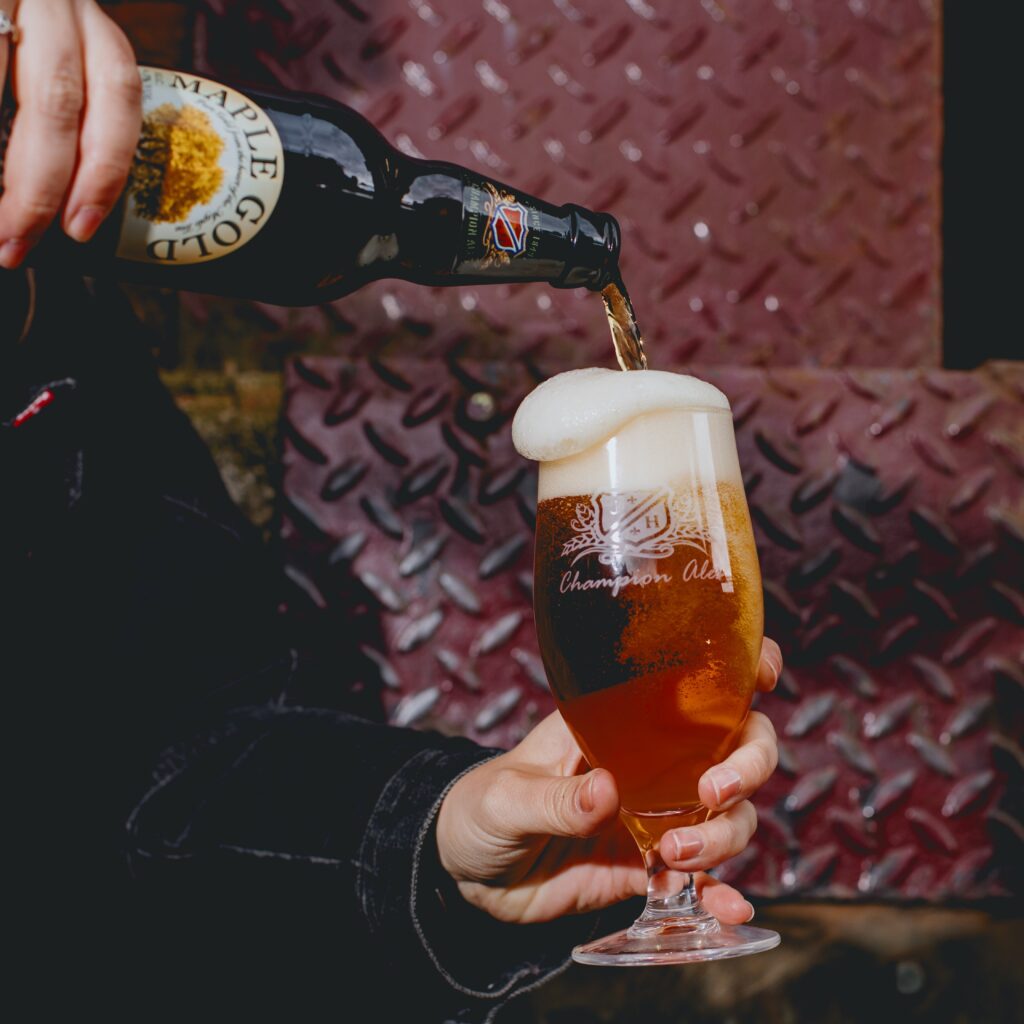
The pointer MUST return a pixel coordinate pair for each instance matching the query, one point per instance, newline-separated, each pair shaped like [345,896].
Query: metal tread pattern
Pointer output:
[775,165]
[889,514]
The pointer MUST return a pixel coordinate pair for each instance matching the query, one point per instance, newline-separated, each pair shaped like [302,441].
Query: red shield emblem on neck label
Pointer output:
[508,227]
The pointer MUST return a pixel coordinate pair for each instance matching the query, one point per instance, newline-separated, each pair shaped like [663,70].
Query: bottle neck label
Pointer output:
[207,173]
[497,229]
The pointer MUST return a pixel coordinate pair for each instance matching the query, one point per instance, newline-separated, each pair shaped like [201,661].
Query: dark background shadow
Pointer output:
[981,251]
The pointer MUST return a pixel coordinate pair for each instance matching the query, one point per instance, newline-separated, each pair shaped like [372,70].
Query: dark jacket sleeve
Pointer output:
[276,842]
[310,823]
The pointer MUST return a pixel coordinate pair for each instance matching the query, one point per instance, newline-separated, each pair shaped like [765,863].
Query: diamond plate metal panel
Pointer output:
[774,165]
[404,498]
[889,515]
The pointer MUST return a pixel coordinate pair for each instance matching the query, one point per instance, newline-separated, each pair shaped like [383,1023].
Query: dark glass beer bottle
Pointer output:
[299,200]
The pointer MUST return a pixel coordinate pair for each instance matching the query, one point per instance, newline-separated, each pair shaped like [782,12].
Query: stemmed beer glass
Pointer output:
[649,614]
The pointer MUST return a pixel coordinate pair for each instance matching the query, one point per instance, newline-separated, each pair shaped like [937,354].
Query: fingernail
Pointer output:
[587,801]
[12,252]
[726,783]
[84,223]
[750,917]
[688,843]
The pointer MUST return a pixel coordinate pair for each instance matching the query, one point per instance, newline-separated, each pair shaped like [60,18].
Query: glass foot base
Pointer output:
[674,945]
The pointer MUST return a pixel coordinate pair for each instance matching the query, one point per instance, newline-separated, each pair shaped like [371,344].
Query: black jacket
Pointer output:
[185,832]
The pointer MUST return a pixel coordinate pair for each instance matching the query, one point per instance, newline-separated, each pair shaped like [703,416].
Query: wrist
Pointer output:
[449,822]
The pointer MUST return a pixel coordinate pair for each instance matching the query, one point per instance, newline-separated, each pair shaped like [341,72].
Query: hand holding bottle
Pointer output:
[76,84]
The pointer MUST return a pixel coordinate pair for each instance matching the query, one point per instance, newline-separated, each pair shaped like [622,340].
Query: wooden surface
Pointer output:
[871,964]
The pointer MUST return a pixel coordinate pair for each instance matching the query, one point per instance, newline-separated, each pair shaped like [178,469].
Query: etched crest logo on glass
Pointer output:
[639,525]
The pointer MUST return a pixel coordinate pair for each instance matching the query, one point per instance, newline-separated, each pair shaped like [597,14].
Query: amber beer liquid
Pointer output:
[673,652]
[298,200]
[648,598]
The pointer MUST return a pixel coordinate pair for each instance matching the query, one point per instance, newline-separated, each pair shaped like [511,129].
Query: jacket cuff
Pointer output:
[415,908]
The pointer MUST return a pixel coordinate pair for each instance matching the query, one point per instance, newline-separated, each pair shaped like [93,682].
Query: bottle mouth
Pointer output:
[613,246]
[596,242]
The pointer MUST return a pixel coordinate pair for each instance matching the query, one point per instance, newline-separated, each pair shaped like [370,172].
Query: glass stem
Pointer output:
[672,900]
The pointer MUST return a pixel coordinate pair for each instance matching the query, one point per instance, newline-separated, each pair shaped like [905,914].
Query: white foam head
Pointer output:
[598,429]
[575,410]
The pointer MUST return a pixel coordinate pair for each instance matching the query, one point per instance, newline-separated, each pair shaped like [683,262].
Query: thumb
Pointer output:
[575,807]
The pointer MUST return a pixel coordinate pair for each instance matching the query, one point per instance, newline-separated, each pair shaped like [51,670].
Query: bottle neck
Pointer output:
[457,227]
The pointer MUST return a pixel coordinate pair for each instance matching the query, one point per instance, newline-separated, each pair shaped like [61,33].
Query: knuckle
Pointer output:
[731,836]
[504,780]
[764,724]
[38,208]
[763,757]
[109,169]
[122,81]
[557,805]
[494,799]
[770,749]
[62,96]
[734,831]
[750,811]
[103,179]
[744,823]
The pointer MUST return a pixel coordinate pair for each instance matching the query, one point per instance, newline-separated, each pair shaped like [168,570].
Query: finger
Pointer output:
[699,847]
[7,6]
[521,803]
[769,668]
[43,146]
[723,901]
[745,769]
[110,128]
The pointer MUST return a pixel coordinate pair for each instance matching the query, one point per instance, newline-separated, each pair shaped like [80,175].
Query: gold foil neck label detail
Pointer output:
[207,173]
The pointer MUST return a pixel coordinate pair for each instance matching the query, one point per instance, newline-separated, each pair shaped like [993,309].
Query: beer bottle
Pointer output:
[297,200]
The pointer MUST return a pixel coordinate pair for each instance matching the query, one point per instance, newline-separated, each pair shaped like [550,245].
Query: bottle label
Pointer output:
[497,228]
[207,173]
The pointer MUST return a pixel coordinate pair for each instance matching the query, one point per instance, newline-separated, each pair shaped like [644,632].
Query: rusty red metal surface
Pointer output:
[774,165]
[890,524]
[775,169]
